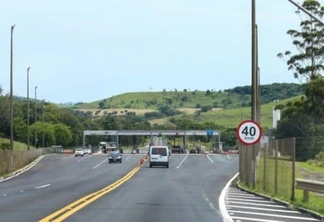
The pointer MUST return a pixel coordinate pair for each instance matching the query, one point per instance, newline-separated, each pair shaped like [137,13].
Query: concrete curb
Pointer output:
[283,203]
[22,170]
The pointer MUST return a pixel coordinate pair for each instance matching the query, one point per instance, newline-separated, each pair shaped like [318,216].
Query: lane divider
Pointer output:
[77,205]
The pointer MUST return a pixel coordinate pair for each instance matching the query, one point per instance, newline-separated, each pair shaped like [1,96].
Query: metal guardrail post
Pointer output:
[309,185]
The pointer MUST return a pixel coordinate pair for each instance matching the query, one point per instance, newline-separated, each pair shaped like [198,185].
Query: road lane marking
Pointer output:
[75,206]
[210,159]
[129,157]
[43,186]
[254,219]
[274,215]
[221,201]
[182,161]
[99,164]
[84,158]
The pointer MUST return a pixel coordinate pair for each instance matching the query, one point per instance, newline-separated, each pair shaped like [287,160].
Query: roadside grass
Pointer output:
[284,184]
[17,145]
[311,167]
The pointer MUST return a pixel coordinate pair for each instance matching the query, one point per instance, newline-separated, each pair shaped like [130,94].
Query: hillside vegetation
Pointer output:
[226,108]
[228,99]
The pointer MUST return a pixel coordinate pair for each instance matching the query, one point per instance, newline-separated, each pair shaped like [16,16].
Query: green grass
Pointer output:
[17,145]
[284,190]
[310,167]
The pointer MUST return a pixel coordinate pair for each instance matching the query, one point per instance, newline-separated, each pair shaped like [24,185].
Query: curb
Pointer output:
[22,170]
[283,203]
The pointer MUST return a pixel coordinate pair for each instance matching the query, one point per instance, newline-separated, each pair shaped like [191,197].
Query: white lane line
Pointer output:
[210,159]
[228,156]
[221,201]
[43,186]
[273,215]
[262,209]
[99,164]
[211,205]
[245,197]
[255,204]
[258,220]
[182,161]
[66,157]
[129,157]
[248,200]
[84,158]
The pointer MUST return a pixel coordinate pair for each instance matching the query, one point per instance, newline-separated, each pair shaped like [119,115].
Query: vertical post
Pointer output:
[11,88]
[276,166]
[35,117]
[254,85]
[43,123]
[293,168]
[265,166]
[28,108]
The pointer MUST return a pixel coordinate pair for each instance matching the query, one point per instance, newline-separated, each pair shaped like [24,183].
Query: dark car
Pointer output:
[115,156]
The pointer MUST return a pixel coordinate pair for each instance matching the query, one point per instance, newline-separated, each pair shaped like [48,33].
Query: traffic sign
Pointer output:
[249,132]
[209,132]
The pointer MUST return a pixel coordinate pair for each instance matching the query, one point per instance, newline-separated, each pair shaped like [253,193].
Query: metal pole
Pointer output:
[254,84]
[35,117]
[28,108]
[43,123]
[11,88]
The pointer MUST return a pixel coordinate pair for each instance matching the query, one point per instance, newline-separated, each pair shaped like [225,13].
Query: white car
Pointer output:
[87,151]
[79,152]
[159,156]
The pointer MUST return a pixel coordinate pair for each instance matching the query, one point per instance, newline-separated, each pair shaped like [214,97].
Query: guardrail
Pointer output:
[309,185]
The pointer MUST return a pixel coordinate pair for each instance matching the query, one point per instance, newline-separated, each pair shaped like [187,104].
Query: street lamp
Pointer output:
[11,88]
[28,108]
[36,142]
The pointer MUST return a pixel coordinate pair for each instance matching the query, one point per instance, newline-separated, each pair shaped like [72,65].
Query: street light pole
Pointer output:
[28,108]
[35,118]
[11,88]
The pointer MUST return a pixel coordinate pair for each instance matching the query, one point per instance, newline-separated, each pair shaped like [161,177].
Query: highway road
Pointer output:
[189,190]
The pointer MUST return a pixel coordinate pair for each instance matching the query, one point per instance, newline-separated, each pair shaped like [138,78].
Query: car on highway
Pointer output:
[159,156]
[87,151]
[79,152]
[115,156]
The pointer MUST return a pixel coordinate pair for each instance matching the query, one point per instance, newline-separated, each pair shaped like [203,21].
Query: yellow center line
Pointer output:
[77,205]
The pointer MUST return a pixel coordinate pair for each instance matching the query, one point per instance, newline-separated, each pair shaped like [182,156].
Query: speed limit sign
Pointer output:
[249,132]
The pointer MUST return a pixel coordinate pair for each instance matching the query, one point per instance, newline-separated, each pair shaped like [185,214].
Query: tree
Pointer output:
[309,41]
[62,134]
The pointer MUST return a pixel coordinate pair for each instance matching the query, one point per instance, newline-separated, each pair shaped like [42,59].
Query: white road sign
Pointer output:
[249,132]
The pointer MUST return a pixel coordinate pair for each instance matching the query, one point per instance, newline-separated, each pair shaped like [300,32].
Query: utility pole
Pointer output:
[36,142]
[11,88]
[28,108]
[254,85]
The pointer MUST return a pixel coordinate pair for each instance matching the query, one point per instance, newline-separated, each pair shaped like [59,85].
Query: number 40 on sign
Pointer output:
[249,132]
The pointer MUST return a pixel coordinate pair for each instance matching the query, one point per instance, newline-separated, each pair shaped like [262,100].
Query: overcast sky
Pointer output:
[82,51]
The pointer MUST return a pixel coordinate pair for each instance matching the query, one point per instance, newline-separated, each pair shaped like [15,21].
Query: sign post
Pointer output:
[249,132]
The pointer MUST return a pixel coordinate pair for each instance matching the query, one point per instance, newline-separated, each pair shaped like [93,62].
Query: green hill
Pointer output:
[228,99]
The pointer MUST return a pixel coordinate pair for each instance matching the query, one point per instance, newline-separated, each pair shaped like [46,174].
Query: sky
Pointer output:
[83,51]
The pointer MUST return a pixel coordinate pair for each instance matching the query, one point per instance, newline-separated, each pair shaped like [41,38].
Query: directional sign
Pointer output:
[209,132]
[249,132]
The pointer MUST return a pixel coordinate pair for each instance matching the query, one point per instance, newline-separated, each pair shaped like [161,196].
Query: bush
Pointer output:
[5,146]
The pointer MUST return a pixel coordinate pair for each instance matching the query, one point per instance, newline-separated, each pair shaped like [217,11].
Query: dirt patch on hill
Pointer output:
[193,110]
[117,111]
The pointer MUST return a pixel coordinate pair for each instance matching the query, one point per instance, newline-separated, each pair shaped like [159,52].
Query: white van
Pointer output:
[159,156]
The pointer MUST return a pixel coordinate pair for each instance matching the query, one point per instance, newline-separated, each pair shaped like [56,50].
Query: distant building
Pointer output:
[275,117]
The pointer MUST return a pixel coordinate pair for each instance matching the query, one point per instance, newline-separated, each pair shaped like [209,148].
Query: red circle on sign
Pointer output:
[245,124]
